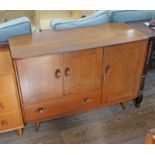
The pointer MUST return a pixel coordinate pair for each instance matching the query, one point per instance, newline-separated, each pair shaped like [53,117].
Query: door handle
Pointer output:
[57,73]
[40,110]
[87,100]
[67,71]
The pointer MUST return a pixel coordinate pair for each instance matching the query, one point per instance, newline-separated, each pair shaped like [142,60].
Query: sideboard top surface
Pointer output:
[68,40]
[140,25]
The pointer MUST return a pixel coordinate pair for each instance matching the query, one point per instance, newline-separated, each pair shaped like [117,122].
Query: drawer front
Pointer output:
[68,105]
[6,66]
[7,84]
[8,103]
[10,121]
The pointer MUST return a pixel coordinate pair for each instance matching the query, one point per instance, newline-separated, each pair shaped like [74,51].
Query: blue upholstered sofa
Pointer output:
[14,27]
[103,17]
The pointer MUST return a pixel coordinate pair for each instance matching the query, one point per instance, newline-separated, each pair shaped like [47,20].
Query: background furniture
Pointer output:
[10,111]
[19,26]
[151,34]
[104,16]
[40,19]
[99,17]
[73,70]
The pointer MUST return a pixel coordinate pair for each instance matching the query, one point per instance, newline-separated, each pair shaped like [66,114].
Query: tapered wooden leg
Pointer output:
[20,131]
[122,105]
[37,125]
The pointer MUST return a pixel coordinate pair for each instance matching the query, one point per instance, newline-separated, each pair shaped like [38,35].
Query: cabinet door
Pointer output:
[40,78]
[123,66]
[82,70]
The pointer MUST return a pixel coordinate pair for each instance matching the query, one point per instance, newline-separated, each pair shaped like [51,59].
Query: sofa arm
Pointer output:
[131,15]
[99,17]
[14,27]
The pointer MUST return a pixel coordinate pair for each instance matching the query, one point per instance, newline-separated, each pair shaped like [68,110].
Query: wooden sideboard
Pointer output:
[68,71]
[10,111]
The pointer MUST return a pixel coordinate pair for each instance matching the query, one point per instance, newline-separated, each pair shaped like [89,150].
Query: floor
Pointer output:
[107,125]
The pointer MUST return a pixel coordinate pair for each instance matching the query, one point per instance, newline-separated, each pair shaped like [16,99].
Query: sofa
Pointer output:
[103,17]
[14,27]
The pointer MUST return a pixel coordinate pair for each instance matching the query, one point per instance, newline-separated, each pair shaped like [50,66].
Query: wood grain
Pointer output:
[10,111]
[5,61]
[123,67]
[37,78]
[50,42]
[139,25]
[85,71]
[62,107]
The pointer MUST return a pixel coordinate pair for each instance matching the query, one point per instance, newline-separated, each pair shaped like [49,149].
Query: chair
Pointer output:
[14,27]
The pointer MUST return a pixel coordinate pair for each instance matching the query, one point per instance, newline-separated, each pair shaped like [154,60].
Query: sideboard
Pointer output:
[67,71]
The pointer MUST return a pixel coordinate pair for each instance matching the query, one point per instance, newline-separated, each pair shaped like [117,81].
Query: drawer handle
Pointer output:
[1,107]
[67,71]
[107,70]
[57,73]
[87,100]
[4,123]
[40,110]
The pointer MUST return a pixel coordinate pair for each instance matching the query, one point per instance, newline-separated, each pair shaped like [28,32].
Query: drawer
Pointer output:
[58,108]
[6,66]
[8,103]
[7,84]
[10,121]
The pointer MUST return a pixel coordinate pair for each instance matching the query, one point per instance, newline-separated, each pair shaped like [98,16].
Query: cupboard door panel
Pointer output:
[123,66]
[82,70]
[40,78]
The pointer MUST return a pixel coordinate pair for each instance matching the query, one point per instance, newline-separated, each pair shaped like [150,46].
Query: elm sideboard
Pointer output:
[68,71]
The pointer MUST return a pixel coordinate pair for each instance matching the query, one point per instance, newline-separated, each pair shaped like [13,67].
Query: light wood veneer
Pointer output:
[68,71]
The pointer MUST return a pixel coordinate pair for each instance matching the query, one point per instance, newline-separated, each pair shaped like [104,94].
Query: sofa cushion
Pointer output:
[14,27]
[99,17]
[130,15]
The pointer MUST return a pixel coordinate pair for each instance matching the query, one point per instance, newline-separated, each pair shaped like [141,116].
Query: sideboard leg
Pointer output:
[37,125]
[122,105]
[20,132]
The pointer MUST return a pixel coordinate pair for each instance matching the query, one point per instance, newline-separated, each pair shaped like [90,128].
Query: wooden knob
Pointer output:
[107,70]
[4,122]
[87,100]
